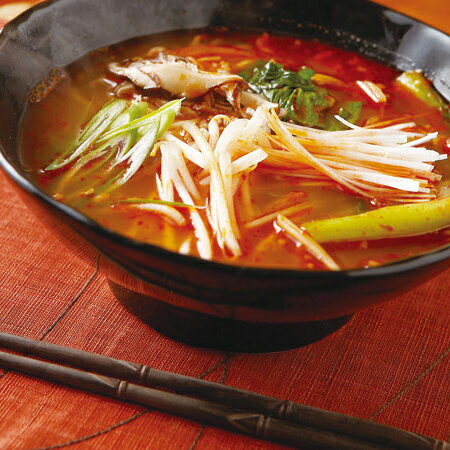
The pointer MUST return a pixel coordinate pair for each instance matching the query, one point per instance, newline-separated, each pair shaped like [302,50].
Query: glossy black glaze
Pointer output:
[58,32]
[228,334]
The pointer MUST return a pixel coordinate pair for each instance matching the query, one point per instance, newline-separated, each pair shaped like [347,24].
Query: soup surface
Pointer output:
[261,158]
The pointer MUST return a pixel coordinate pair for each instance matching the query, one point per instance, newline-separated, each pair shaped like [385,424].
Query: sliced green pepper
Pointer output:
[422,89]
[388,222]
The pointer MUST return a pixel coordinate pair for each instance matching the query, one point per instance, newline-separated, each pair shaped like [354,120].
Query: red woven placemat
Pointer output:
[390,363]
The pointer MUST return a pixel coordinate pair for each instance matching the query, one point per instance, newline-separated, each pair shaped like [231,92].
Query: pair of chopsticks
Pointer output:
[210,403]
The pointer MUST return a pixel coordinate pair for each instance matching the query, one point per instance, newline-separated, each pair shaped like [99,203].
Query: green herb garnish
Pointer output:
[303,101]
[350,111]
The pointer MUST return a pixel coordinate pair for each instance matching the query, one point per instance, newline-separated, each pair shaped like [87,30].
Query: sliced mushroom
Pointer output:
[179,76]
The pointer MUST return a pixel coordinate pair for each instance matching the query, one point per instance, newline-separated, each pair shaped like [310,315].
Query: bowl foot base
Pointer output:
[202,330]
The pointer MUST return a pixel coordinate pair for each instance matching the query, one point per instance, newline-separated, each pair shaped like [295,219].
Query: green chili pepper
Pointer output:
[388,222]
[422,89]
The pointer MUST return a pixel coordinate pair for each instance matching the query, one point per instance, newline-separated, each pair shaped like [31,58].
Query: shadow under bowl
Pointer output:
[204,303]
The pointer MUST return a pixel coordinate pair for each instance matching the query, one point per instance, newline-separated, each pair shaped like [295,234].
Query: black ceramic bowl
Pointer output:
[200,302]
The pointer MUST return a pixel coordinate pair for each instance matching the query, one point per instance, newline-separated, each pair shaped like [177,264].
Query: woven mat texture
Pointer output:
[390,363]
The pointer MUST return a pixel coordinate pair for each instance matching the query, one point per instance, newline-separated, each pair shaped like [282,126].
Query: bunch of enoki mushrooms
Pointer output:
[222,132]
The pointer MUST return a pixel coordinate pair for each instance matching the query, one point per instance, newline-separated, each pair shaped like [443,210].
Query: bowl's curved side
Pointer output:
[228,291]
[239,313]
[48,36]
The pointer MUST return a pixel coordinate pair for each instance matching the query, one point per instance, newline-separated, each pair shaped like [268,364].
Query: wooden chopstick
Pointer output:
[237,410]
[209,413]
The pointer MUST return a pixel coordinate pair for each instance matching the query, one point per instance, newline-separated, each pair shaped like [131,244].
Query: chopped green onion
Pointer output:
[121,143]
[122,139]
[99,118]
[135,111]
[156,124]
[148,119]
[93,130]
[117,144]
[137,154]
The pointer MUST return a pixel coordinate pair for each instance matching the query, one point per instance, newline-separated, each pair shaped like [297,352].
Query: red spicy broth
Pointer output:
[52,123]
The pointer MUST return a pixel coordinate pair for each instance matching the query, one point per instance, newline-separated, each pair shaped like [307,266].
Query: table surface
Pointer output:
[390,363]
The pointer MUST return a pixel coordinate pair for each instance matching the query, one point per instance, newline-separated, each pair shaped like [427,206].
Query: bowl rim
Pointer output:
[395,267]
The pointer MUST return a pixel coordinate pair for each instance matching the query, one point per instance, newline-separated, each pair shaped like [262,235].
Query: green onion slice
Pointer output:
[148,119]
[93,130]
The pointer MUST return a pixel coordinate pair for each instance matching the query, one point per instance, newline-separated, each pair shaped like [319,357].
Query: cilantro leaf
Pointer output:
[350,111]
[295,92]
